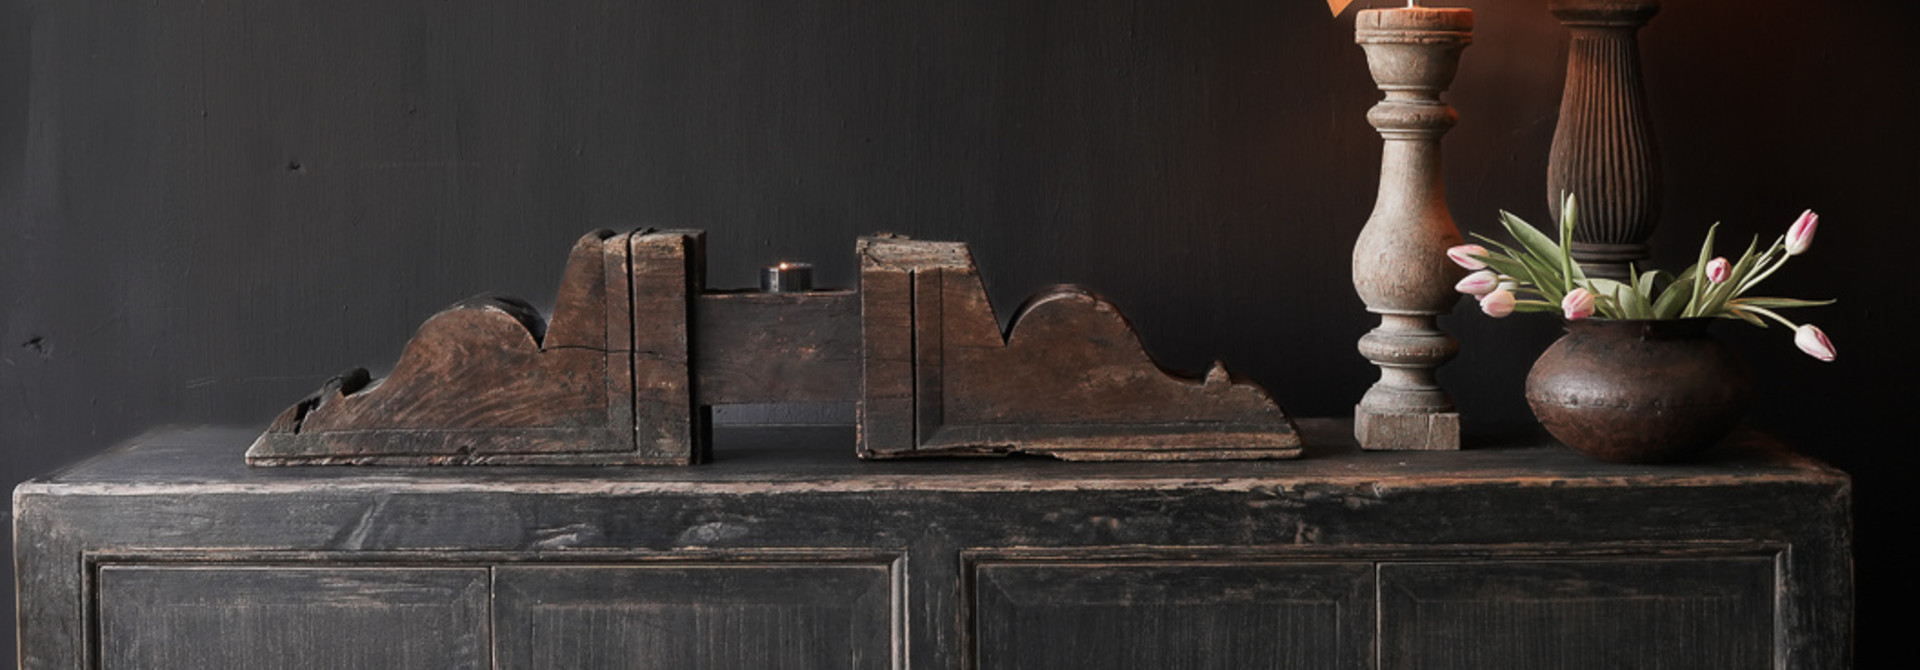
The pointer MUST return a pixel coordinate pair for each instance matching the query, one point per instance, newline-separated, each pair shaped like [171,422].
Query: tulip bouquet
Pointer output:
[1538,275]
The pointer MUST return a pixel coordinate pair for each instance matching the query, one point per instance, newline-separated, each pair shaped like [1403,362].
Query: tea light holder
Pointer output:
[786,277]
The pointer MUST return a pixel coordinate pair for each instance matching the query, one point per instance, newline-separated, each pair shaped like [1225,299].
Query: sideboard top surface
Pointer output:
[770,459]
[930,536]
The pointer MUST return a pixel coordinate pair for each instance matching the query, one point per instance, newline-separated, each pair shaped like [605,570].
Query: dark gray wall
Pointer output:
[206,208]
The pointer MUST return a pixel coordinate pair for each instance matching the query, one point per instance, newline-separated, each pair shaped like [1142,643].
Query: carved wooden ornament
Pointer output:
[637,352]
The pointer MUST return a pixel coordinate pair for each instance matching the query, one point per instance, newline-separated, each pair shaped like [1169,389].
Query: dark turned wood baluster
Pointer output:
[1603,148]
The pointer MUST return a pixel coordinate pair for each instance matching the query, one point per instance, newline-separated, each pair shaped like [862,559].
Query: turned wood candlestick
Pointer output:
[1603,148]
[1400,268]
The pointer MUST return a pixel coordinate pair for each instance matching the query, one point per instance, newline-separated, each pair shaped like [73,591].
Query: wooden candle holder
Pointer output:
[1603,147]
[1400,268]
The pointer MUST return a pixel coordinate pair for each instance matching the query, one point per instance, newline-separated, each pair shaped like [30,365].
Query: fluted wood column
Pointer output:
[1400,268]
[1603,147]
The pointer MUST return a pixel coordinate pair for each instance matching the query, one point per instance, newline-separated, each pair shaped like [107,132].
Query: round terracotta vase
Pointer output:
[1632,391]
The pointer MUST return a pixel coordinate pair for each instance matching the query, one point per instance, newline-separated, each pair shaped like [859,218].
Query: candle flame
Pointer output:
[1341,5]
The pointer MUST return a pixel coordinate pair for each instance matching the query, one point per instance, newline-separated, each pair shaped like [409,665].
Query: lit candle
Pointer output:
[787,277]
[1341,5]
[1415,17]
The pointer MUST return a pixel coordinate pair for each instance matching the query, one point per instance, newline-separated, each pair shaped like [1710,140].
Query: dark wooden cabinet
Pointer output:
[786,552]
[1712,610]
[290,616]
[1242,614]
[704,616]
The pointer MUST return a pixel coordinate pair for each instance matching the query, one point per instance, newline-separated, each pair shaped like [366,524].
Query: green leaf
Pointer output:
[1526,269]
[1603,285]
[1569,217]
[1706,254]
[1742,315]
[1504,265]
[1545,279]
[1713,300]
[1606,306]
[1505,250]
[1737,278]
[1761,311]
[1532,240]
[1674,299]
[1620,307]
[1777,303]
[1689,273]
[1645,283]
[1774,257]
[1634,305]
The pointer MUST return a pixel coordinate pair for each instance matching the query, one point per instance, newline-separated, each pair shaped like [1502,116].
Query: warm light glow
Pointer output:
[1341,5]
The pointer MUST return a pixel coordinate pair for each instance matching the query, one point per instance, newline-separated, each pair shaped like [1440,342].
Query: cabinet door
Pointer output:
[247,618]
[1708,613]
[697,617]
[1173,616]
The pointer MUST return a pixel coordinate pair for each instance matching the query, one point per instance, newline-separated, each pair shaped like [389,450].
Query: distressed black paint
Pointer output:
[749,561]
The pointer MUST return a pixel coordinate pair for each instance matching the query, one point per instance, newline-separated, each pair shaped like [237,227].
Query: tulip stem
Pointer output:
[1762,311]
[1771,267]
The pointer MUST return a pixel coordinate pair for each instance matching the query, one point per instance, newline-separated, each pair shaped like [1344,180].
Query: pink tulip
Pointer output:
[1718,270]
[1464,256]
[1497,304]
[1479,283]
[1810,339]
[1578,304]
[1800,235]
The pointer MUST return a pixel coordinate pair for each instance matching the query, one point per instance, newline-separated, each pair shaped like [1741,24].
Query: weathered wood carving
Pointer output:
[1069,379]
[638,350]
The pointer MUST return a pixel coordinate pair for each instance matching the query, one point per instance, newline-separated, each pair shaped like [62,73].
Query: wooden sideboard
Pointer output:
[787,552]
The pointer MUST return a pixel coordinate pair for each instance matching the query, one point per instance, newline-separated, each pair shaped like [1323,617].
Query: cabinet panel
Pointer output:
[1708,613]
[1173,616]
[697,617]
[246,618]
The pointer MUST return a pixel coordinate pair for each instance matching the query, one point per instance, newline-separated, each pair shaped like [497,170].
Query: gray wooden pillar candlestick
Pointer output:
[1400,268]
[1603,148]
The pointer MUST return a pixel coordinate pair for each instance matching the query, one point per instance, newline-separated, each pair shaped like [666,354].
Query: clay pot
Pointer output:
[1632,391]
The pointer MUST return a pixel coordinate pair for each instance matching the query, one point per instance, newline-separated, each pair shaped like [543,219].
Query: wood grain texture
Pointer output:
[697,617]
[1400,269]
[756,347]
[293,618]
[1069,379]
[668,268]
[1494,524]
[1604,152]
[487,380]
[1705,613]
[1172,616]
[638,343]
[886,413]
